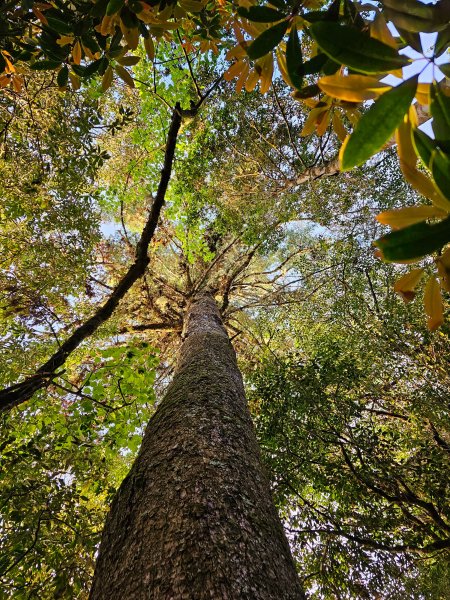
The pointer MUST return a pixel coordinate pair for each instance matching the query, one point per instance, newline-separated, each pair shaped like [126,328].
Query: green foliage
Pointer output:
[354,49]
[378,124]
[63,457]
[350,412]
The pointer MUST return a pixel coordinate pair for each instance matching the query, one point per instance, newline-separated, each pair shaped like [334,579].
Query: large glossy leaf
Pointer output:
[44,65]
[357,50]
[267,40]
[440,167]
[424,145]
[261,14]
[377,125]
[352,88]
[416,16]
[294,59]
[440,111]
[59,26]
[414,242]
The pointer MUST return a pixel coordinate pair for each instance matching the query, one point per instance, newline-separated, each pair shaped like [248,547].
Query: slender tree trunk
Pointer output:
[194,519]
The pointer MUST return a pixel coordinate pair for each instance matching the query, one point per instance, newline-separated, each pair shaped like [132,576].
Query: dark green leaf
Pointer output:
[114,6]
[424,146]
[90,42]
[378,124]
[349,46]
[45,65]
[314,64]
[129,19]
[411,39]
[333,11]
[309,91]
[59,26]
[352,14]
[440,111]
[294,59]
[316,15]
[135,6]
[445,69]
[90,69]
[414,242]
[63,76]
[104,63]
[442,41]
[278,3]
[99,8]
[267,40]
[261,14]
[330,67]
[440,167]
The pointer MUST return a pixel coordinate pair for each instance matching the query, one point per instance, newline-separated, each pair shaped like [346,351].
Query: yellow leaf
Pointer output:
[281,60]
[75,81]
[432,301]
[322,122]
[106,24]
[252,80]
[338,127]
[128,61]
[242,78]
[124,75]
[234,70]
[179,12]
[380,31]
[191,5]
[266,73]
[9,66]
[149,47]
[76,53]
[406,285]
[425,186]
[236,52]
[91,55]
[131,35]
[64,40]
[40,16]
[423,94]
[353,115]
[310,123]
[310,102]
[352,88]
[165,13]
[405,148]
[107,79]
[403,217]
[17,82]
[443,267]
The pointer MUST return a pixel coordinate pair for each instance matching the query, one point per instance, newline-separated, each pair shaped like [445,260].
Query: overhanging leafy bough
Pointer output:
[335,57]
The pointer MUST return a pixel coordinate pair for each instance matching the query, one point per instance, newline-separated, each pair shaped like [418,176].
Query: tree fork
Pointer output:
[194,518]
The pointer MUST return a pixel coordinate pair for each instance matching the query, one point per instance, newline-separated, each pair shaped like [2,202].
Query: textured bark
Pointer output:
[194,519]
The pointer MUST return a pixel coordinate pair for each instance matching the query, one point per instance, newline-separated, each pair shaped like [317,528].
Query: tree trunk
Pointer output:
[194,519]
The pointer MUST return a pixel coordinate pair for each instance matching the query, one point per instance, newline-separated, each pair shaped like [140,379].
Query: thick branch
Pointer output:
[18,393]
